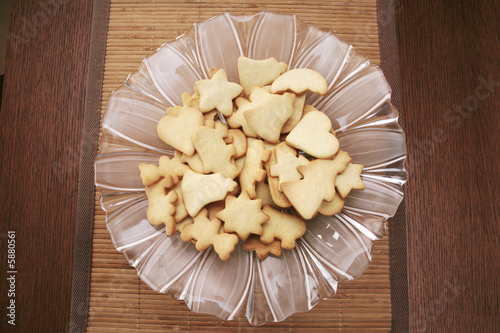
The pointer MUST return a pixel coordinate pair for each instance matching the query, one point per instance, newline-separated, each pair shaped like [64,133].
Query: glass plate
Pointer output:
[334,248]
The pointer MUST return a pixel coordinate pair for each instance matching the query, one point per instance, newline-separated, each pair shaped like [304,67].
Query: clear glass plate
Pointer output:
[334,248]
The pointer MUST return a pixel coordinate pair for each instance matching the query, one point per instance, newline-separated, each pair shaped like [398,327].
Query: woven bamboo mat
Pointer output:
[119,300]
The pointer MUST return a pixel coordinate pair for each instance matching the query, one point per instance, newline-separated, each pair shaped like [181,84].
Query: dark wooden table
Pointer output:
[450,86]
[450,80]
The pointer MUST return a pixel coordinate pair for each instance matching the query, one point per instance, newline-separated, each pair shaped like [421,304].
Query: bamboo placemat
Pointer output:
[119,300]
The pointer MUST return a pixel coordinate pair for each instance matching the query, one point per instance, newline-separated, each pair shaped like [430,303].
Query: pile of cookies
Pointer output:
[275,164]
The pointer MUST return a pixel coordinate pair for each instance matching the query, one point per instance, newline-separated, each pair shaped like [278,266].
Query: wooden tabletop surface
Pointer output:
[450,87]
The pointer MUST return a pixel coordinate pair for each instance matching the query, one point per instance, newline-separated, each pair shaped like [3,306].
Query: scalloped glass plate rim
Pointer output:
[306,248]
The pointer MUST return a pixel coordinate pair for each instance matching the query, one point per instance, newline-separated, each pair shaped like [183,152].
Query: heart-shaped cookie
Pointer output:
[177,130]
[312,135]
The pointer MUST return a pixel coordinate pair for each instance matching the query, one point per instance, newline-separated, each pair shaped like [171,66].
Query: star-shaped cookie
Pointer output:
[218,93]
[349,179]
[243,215]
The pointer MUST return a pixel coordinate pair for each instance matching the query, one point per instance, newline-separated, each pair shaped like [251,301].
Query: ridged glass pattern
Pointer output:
[334,248]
